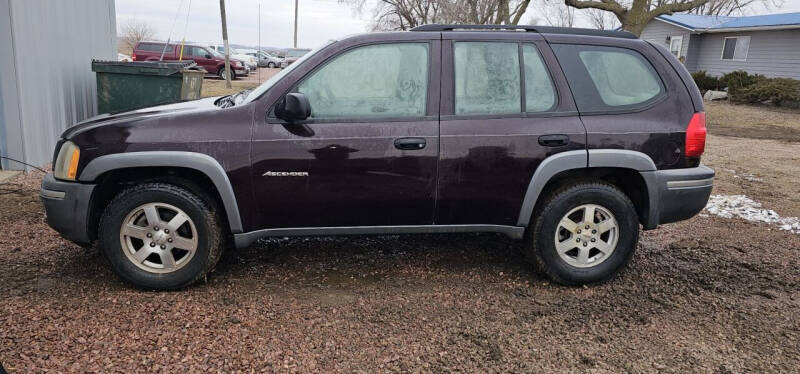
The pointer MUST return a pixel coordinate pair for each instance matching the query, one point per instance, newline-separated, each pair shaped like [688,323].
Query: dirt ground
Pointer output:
[216,86]
[706,295]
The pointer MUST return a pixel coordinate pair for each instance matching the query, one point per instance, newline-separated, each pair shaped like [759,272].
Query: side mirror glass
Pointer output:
[293,107]
[208,56]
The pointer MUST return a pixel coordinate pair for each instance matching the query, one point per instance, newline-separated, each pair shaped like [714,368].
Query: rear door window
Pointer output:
[487,78]
[608,78]
[540,95]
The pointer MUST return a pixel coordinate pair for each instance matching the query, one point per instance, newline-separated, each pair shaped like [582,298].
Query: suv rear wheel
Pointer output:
[160,236]
[585,233]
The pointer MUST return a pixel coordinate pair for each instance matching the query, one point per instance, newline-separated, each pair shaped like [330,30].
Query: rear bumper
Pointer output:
[66,206]
[677,194]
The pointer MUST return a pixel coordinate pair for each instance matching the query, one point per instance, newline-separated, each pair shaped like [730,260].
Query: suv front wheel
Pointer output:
[585,233]
[161,236]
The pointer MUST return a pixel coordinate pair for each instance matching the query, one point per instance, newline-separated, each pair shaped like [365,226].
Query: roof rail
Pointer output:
[539,29]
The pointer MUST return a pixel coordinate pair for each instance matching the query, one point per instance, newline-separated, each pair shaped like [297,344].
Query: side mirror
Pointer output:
[293,107]
[208,56]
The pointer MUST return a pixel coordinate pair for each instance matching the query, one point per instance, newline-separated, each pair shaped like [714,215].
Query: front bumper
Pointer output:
[677,194]
[66,206]
[241,71]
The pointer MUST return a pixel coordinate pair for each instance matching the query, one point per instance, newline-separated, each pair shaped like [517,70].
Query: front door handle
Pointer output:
[555,140]
[408,144]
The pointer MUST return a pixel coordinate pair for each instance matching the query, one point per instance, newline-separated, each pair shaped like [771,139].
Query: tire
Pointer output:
[221,74]
[574,257]
[271,65]
[194,245]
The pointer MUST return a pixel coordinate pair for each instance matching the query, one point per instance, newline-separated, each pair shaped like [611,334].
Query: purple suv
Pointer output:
[567,138]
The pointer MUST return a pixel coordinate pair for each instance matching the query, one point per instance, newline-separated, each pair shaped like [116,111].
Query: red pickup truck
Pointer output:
[209,59]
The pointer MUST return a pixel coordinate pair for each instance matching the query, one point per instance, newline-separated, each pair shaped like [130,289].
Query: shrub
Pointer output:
[736,80]
[776,90]
[707,82]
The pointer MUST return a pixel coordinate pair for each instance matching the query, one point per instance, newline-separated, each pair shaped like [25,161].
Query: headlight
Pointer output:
[66,166]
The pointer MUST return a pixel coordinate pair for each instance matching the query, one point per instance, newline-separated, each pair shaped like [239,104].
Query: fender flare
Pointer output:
[191,160]
[595,158]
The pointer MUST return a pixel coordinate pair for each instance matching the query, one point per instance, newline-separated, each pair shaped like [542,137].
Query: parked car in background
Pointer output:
[209,59]
[292,55]
[569,139]
[267,60]
[250,61]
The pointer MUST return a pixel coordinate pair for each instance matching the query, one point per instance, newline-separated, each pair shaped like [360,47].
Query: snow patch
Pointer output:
[744,175]
[740,206]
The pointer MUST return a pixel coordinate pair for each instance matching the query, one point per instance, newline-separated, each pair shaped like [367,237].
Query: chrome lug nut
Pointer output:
[594,231]
[594,240]
[579,231]
[587,227]
[584,244]
[152,244]
[169,240]
[166,231]
[155,228]
[149,235]
[163,246]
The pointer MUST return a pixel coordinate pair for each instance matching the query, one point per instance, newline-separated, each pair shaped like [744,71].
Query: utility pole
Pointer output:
[295,23]
[225,43]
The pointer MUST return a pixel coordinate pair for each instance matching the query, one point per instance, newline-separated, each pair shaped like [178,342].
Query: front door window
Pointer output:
[383,80]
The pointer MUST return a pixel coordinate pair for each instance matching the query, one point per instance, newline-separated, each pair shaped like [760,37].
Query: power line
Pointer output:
[169,37]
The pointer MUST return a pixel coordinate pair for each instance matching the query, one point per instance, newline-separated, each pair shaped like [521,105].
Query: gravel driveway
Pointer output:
[705,295]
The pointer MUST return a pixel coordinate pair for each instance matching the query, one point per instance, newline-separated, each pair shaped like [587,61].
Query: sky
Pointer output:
[319,20]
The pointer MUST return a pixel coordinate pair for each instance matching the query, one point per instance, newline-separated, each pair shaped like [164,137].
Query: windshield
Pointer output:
[258,91]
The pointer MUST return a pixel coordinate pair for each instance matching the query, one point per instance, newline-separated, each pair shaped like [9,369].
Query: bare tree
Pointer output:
[134,31]
[600,19]
[634,15]
[406,14]
[554,13]
[732,7]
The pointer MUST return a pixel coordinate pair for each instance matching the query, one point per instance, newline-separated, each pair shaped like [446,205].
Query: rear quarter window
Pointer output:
[606,79]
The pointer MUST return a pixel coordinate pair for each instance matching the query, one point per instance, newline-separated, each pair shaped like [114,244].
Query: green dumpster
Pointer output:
[123,86]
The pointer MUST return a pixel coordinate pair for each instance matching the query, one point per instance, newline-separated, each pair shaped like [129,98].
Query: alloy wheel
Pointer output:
[158,237]
[586,236]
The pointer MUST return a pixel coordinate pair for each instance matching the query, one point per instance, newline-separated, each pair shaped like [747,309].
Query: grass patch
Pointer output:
[216,87]
[752,121]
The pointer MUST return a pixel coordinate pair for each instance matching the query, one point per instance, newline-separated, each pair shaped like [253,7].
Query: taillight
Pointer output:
[133,56]
[696,135]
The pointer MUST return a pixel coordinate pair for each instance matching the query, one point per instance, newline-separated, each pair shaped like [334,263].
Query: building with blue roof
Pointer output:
[764,44]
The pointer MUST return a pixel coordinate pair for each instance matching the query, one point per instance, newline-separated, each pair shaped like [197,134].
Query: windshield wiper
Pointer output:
[232,100]
[242,94]
[226,101]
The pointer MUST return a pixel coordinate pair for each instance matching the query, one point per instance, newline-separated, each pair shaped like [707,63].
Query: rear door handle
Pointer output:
[408,144]
[555,140]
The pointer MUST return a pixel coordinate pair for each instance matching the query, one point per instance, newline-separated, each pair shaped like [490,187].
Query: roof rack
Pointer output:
[539,29]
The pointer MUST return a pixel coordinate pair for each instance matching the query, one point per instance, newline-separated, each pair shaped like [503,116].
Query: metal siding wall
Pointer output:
[693,53]
[10,125]
[772,53]
[658,31]
[55,42]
